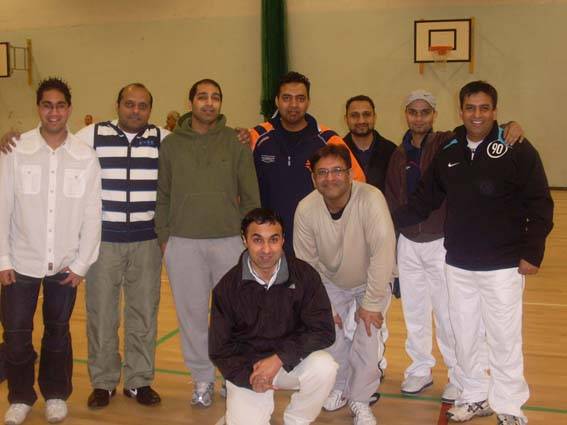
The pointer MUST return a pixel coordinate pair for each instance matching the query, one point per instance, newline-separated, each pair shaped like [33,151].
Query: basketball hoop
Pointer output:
[440,54]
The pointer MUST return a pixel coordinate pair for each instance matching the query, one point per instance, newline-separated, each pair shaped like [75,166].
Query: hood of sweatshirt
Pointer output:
[183,127]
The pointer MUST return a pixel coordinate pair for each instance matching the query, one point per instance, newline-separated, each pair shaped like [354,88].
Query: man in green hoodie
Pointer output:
[206,185]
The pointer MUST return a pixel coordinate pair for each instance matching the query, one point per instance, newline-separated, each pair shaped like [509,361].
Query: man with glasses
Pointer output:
[344,230]
[50,227]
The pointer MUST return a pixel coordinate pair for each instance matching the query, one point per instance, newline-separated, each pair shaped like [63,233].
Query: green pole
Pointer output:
[274,53]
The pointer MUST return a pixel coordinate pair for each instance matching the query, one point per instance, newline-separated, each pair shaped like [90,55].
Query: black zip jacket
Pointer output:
[292,319]
[499,208]
[382,150]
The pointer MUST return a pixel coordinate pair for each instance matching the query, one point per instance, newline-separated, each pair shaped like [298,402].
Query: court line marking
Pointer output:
[546,304]
[384,395]
[166,337]
[443,419]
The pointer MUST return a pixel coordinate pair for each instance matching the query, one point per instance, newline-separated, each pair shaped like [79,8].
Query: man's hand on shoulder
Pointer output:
[7,277]
[264,372]
[7,141]
[243,135]
[370,318]
[513,133]
[527,268]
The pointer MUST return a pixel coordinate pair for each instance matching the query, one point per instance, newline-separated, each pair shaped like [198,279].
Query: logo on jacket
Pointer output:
[268,159]
[496,149]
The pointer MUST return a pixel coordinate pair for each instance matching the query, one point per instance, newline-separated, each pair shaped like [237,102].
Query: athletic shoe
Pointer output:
[55,410]
[416,384]
[464,412]
[374,399]
[335,401]
[362,413]
[203,394]
[146,395]
[510,420]
[100,398]
[16,413]
[450,393]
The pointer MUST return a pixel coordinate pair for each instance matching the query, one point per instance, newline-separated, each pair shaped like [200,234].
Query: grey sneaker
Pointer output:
[467,411]
[203,394]
[510,420]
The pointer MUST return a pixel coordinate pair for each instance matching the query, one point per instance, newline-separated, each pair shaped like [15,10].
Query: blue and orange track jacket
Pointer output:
[283,173]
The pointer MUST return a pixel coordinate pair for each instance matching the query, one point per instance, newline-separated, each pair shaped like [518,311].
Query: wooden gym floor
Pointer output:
[545,349]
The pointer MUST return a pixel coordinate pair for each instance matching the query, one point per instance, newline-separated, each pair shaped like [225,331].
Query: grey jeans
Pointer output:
[133,268]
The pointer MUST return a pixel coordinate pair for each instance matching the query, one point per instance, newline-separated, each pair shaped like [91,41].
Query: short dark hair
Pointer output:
[331,149]
[193,90]
[53,83]
[294,77]
[359,98]
[260,216]
[478,87]
[137,85]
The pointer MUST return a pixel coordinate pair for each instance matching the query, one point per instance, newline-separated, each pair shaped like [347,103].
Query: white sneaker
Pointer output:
[362,413]
[16,413]
[55,410]
[203,394]
[335,401]
[450,393]
[467,411]
[416,384]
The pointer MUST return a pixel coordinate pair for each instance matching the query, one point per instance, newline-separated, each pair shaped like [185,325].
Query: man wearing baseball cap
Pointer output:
[421,255]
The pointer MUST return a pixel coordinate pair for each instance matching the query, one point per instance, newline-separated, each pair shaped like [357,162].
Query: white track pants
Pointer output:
[495,299]
[358,357]
[421,268]
[314,378]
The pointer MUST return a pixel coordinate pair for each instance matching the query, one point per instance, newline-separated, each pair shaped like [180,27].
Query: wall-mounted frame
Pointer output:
[5,68]
[455,33]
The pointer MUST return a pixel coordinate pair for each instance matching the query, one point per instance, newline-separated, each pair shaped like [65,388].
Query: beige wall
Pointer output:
[345,47]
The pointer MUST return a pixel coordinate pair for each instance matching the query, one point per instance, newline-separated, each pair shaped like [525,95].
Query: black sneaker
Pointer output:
[143,395]
[100,398]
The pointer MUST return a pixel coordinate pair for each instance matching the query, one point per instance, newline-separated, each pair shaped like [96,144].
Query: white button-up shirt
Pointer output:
[50,206]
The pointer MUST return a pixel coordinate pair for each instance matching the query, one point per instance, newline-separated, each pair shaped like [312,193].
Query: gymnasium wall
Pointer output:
[346,47]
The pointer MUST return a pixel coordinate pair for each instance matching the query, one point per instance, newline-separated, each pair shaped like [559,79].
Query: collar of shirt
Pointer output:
[259,279]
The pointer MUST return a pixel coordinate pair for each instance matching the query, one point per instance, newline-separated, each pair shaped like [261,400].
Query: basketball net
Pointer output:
[440,54]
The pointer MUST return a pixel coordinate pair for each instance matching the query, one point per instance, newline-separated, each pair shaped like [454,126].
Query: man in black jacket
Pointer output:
[372,151]
[270,320]
[499,213]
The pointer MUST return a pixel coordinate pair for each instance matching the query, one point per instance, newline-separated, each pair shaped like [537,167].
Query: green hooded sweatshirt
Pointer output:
[206,183]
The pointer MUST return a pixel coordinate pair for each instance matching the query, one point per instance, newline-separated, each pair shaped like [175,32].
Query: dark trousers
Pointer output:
[19,302]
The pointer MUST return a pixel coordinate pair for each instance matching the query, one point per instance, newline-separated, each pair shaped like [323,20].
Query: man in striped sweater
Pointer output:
[130,258]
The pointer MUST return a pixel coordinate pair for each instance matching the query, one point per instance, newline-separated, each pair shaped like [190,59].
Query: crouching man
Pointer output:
[270,320]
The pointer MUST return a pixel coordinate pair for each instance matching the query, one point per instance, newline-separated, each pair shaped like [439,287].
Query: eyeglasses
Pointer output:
[335,172]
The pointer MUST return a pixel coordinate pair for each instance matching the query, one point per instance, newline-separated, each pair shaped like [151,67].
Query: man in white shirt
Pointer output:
[344,230]
[50,230]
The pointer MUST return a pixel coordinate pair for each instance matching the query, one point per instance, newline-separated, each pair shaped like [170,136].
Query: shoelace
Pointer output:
[361,410]
[508,420]
[475,407]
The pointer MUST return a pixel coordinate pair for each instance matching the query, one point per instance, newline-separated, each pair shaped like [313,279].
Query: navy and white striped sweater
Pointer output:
[129,181]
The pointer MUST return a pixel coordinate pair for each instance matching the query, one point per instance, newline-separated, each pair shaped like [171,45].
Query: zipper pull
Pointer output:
[289,161]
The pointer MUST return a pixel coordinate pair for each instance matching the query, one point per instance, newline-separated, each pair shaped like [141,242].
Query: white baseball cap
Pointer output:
[421,95]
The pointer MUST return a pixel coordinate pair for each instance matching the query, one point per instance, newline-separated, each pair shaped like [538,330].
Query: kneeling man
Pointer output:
[270,320]
[345,231]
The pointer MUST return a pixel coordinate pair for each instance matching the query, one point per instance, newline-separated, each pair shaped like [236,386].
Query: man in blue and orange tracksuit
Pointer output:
[282,147]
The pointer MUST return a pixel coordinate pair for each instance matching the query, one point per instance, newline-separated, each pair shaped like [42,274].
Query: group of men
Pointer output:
[305,304]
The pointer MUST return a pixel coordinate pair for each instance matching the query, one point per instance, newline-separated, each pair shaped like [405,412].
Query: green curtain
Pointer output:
[274,53]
